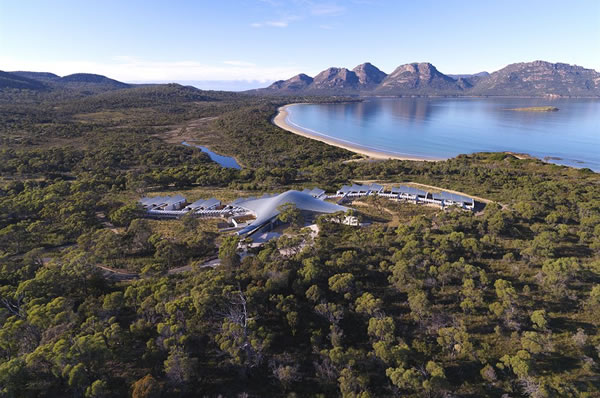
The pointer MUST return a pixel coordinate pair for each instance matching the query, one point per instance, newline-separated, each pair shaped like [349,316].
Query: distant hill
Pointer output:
[84,92]
[537,79]
[89,78]
[44,77]
[11,81]
[79,83]
[149,95]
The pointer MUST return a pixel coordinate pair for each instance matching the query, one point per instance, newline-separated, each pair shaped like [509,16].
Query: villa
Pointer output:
[202,204]
[359,190]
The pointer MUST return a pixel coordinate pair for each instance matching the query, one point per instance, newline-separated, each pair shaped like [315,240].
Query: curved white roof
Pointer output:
[266,208]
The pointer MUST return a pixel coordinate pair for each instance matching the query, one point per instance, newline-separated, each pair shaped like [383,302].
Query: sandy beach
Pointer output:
[280,120]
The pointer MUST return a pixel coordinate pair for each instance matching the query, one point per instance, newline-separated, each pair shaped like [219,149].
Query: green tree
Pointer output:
[289,213]
[353,384]
[520,363]
[146,387]
[169,253]
[367,304]
[77,377]
[419,304]
[341,283]
[98,389]
[436,381]
[538,317]
[455,341]
[179,367]
[558,273]
[125,214]
[405,379]
[382,329]
[228,251]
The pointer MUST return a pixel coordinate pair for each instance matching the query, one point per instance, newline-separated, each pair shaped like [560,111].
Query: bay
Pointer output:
[439,128]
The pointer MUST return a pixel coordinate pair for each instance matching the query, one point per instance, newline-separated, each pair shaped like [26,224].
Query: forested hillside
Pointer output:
[423,302]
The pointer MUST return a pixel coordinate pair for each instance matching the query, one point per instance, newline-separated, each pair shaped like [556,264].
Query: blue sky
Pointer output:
[212,42]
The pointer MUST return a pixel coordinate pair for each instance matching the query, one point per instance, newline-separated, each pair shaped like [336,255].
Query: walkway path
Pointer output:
[124,275]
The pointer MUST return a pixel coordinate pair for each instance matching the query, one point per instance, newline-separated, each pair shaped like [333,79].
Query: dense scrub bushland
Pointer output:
[433,304]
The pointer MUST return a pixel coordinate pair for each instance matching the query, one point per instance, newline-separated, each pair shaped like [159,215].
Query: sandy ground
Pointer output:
[280,121]
[186,132]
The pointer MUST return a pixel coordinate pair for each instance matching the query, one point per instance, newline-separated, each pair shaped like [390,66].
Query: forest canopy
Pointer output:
[423,302]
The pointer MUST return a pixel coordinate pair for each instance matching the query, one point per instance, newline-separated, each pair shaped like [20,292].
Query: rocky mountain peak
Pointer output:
[335,78]
[298,82]
[368,74]
[536,78]
[423,76]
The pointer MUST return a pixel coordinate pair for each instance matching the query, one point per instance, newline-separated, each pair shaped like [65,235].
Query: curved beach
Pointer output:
[280,120]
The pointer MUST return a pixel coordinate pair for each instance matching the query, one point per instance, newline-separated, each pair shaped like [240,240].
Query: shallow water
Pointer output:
[225,161]
[447,127]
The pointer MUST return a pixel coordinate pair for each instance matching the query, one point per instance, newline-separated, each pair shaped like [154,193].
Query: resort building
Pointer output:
[453,199]
[359,190]
[315,192]
[163,202]
[266,208]
[404,192]
[412,193]
[204,204]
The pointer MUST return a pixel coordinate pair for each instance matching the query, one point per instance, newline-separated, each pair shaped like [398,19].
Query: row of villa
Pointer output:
[409,193]
[250,215]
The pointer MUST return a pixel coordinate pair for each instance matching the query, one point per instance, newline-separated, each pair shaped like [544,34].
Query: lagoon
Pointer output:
[439,128]
[224,161]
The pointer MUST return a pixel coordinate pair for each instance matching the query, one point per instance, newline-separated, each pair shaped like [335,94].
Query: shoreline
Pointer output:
[280,120]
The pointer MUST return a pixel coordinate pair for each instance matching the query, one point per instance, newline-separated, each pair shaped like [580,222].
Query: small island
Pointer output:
[536,109]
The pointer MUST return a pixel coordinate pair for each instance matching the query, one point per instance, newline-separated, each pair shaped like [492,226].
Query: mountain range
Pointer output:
[538,79]
[533,79]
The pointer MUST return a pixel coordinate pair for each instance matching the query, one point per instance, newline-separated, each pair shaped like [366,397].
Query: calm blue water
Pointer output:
[446,127]
[225,161]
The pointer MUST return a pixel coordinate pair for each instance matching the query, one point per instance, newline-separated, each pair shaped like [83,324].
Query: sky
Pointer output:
[240,44]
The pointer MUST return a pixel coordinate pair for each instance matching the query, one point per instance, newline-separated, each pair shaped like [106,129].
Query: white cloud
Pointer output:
[279,23]
[326,27]
[131,69]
